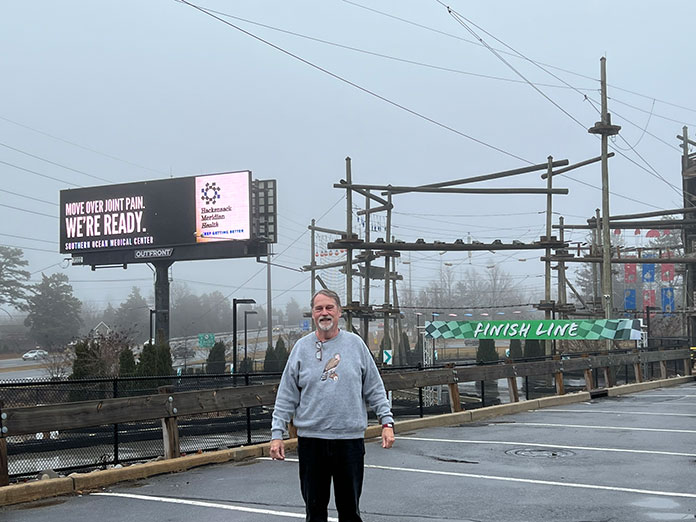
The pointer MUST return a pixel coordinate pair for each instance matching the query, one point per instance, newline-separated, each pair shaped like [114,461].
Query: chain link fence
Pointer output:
[104,446]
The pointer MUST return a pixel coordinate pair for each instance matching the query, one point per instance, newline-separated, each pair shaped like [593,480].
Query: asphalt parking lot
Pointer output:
[627,458]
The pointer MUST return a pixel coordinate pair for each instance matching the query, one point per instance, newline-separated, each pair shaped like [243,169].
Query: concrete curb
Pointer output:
[17,493]
[649,385]
[78,482]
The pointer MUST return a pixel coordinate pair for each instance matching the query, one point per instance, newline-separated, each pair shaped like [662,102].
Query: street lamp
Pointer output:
[246,314]
[235,302]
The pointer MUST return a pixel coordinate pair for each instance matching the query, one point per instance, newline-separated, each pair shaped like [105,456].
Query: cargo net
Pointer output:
[333,277]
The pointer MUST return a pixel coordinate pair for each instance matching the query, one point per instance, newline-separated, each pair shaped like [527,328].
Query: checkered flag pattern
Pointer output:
[617,329]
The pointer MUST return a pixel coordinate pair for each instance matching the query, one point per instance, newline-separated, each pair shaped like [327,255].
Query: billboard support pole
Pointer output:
[162,301]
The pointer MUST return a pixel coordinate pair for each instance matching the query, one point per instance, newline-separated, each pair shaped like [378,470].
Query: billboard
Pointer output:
[170,218]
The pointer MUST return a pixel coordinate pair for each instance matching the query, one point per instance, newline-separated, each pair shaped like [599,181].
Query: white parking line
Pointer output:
[624,412]
[526,481]
[215,505]
[549,425]
[507,443]
[641,395]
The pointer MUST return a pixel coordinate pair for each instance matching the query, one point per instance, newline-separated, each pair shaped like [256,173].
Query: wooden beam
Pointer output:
[637,372]
[663,369]
[170,426]
[4,468]
[73,415]
[455,401]
[512,389]
[417,379]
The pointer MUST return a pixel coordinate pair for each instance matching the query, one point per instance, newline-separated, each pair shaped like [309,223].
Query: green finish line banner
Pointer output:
[616,329]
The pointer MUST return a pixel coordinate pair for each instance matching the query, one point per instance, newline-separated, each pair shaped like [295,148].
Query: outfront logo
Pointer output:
[155,252]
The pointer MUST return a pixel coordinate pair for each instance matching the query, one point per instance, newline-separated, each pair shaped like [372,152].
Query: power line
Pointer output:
[39,174]
[29,211]
[29,197]
[30,248]
[462,21]
[356,86]
[379,55]
[80,146]
[457,37]
[30,239]
[54,163]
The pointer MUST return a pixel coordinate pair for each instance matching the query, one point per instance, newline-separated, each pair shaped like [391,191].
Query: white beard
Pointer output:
[324,326]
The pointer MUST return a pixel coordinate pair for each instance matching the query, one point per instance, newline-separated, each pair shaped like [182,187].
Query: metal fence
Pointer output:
[103,446]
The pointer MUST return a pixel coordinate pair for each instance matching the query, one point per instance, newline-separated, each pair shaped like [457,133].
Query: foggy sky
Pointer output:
[132,91]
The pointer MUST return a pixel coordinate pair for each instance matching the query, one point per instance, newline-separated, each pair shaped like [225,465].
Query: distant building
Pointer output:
[102,329]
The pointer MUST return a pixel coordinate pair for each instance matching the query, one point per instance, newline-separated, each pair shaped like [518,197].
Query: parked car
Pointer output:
[32,355]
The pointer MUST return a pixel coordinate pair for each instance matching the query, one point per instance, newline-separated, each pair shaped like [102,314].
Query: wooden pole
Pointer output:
[349,251]
[170,427]
[4,468]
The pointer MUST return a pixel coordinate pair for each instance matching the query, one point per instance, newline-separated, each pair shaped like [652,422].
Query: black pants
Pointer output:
[320,461]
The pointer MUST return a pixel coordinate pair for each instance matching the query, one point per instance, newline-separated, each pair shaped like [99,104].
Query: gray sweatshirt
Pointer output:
[328,398]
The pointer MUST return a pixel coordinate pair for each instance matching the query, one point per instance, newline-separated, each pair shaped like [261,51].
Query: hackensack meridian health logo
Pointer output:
[210,193]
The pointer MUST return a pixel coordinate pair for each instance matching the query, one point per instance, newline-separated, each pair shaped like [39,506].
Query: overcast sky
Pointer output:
[107,92]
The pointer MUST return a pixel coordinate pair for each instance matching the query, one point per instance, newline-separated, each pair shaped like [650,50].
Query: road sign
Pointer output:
[206,340]
[305,325]
[387,357]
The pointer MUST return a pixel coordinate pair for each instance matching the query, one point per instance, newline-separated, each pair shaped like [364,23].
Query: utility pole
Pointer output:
[547,265]
[269,304]
[387,315]
[562,299]
[605,129]
[689,232]
[313,271]
[367,254]
[597,270]
[349,250]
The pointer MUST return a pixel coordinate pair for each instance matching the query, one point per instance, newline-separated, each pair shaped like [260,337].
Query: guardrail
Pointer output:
[167,406]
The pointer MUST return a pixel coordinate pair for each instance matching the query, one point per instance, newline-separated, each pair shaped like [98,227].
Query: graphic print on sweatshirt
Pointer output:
[330,368]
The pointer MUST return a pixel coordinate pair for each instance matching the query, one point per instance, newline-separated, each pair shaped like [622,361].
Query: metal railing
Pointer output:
[95,423]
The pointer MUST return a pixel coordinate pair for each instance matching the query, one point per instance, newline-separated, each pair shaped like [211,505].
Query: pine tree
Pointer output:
[533,349]
[515,349]
[126,363]
[486,351]
[281,355]
[416,357]
[269,361]
[164,360]
[148,361]
[246,366]
[87,363]
[215,363]
[127,367]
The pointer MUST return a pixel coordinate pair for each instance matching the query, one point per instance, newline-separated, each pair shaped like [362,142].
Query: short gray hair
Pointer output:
[328,293]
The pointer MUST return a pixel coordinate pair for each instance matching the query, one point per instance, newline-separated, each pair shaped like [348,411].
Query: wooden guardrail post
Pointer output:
[637,370]
[558,376]
[588,376]
[455,400]
[170,427]
[4,468]
[663,369]
[687,366]
[607,371]
[512,385]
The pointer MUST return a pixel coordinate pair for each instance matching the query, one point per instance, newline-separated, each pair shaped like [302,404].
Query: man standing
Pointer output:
[329,377]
